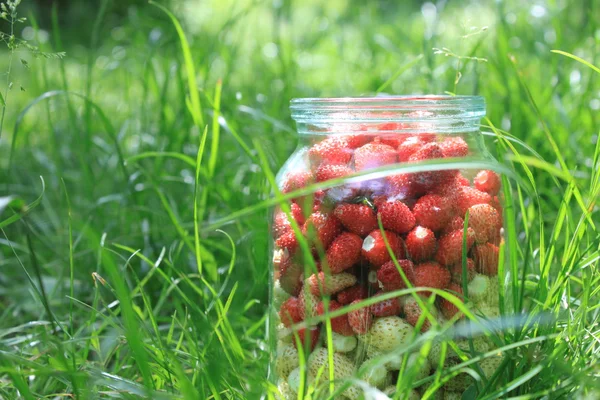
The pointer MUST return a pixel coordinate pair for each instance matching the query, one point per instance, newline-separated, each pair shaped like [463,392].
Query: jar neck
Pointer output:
[388,115]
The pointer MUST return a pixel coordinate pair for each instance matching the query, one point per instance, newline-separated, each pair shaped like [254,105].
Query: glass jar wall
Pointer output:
[388,240]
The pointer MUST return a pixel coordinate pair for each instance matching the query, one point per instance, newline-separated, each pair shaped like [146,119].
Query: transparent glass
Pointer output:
[377,282]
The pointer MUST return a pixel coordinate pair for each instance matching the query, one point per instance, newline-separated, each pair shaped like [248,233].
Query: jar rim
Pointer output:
[387,108]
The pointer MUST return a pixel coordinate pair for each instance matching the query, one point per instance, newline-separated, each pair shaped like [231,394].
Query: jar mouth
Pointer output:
[412,108]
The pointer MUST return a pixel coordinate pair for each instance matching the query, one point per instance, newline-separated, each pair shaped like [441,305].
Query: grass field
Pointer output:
[133,207]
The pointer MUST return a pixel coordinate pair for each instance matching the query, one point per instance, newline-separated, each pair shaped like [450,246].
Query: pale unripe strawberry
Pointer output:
[308,304]
[343,344]
[279,295]
[287,359]
[376,375]
[452,395]
[327,284]
[488,311]
[318,365]
[388,333]
[479,288]
[490,365]
[417,366]
[294,379]
[459,383]
[412,395]
[284,334]
[285,392]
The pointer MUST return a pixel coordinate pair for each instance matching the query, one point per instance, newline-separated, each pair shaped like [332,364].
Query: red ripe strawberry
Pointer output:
[462,181]
[486,222]
[455,223]
[356,292]
[497,205]
[450,246]
[290,275]
[487,181]
[456,271]
[356,141]
[454,147]
[326,172]
[326,284]
[288,241]
[343,193]
[400,187]
[322,228]
[373,155]
[296,180]
[468,197]
[308,337]
[429,179]
[290,312]
[281,223]
[333,150]
[448,309]
[433,211]
[338,324]
[360,320]
[410,146]
[386,308]
[420,244]
[486,258]
[389,277]
[412,313]
[375,251]
[344,252]
[432,275]
[357,218]
[396,216]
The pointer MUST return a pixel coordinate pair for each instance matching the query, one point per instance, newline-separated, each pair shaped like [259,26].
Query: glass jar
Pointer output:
[386,247]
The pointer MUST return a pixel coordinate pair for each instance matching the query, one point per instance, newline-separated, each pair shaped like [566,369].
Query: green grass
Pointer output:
[138,264]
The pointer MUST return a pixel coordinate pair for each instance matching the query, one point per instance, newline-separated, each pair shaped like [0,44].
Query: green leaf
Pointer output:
[2,102]
[12,202]
[25,63]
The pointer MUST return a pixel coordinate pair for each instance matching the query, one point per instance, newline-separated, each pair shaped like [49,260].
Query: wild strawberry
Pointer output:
[448,308]
[433,211]
[480,289]
[450,246]
[410,146]
[360,320]
[356,292]
[373,155]
[432,275]
[486,222]
[344,252]
[357,218]
[495,202]
[333,150]
[356,141]
[386,308]
[454,224]
[390,333]
[389,277]
[462,181]
[420,244]
[318,365]
[290,275]
[281,224]
[290,312]
[413,312]
[287,359]
[326,284]
[396,216]
[288,241]
[296,180]
[308,303]
[338,324]
[400,187]
[343,344]
[487,181]
[486,259]
[454,147]
[309,337]
[429,179]
[456,271]
[327,172]
[375,251]
[322,228]
[467,197]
